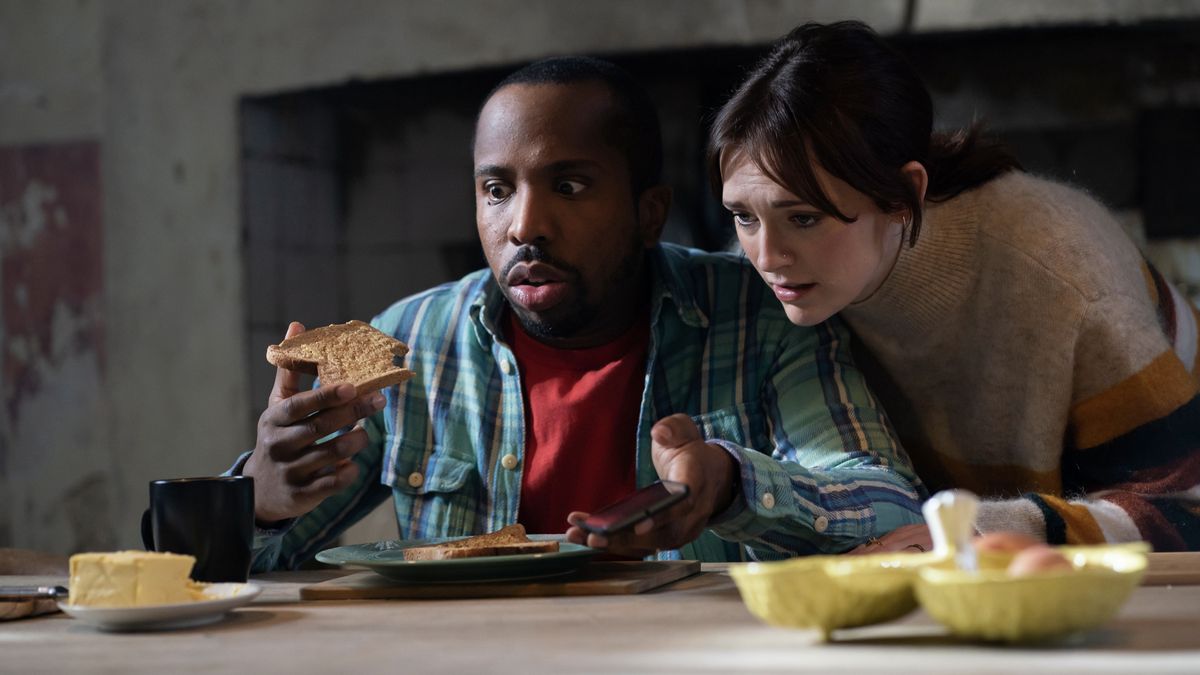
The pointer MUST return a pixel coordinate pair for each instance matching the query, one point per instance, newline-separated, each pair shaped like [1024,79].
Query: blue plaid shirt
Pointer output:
[821,470]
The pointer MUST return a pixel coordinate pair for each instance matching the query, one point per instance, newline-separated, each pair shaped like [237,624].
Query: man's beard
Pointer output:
[578,312]
[561,329]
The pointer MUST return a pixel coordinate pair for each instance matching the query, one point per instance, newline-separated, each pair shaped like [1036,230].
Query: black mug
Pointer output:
[210,518]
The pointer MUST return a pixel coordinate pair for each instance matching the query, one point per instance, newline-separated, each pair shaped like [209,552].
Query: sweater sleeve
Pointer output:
[1131,459]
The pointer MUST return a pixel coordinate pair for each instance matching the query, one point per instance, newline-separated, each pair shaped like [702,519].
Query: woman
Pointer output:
[1020,343]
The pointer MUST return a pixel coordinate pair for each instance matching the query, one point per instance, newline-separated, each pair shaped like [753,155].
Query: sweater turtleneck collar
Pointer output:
[929,282]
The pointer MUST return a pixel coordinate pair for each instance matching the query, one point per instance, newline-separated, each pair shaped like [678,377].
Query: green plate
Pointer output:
[387,558]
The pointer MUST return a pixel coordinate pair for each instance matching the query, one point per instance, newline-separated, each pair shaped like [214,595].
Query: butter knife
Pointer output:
[25,593]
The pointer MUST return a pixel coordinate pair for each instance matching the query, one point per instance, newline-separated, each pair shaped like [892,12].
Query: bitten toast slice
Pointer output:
[510,540]
[353,352]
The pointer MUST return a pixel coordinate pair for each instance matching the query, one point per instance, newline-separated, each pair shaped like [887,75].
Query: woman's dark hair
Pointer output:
[838,96]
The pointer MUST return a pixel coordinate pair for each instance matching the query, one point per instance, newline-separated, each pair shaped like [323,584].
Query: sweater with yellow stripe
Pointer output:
[1025,350]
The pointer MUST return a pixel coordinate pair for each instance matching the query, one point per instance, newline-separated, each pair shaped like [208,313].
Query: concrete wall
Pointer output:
[157,86]
[60,478]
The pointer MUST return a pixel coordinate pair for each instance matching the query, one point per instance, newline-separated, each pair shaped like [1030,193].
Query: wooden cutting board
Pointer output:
[597,578]
[1172,569]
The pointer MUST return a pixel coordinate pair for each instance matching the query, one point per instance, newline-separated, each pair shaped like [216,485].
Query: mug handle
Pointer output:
[147,531]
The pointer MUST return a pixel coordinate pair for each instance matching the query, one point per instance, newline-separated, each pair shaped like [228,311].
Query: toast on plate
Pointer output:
[510,540]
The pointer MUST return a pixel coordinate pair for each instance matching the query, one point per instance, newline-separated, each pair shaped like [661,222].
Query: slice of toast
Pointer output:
[353,352]
[510,540]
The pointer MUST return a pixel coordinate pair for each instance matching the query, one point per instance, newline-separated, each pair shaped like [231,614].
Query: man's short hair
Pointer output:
[633,129]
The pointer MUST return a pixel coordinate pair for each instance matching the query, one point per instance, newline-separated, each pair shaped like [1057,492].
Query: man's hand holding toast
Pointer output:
[293,472]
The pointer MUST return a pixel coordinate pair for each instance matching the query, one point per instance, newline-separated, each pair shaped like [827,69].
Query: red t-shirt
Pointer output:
[581,415]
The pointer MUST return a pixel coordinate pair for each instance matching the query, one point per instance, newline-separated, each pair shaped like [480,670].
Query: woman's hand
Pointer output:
[907,539]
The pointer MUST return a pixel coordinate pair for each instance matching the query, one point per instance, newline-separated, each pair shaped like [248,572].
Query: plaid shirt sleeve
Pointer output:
[836,475]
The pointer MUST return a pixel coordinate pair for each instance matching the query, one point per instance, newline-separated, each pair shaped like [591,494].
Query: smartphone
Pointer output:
[635,507]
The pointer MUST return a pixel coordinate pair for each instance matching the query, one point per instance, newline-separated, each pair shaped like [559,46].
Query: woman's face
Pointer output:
[815,263]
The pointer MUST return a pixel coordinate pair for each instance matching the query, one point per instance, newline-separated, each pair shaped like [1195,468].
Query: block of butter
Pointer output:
[132,579]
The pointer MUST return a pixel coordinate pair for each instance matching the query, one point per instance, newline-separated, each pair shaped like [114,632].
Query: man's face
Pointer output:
[556,212]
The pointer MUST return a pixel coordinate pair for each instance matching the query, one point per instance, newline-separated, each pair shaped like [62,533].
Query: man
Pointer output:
[539,382]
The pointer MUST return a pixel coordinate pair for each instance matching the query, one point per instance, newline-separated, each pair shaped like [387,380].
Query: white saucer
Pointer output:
[222,598]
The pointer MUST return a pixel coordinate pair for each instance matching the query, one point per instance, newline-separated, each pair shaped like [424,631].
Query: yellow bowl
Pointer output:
[991,605]
[825,593]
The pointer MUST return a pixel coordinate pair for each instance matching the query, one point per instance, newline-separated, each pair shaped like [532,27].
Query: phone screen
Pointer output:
[635,507]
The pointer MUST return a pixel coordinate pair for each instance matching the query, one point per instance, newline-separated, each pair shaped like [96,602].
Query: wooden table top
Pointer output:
[695,625]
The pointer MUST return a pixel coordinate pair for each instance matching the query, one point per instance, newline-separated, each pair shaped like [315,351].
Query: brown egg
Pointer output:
[1036,559]
[1005,542]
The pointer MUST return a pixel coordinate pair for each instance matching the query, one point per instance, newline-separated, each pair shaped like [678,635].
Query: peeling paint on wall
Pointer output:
[52,340]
